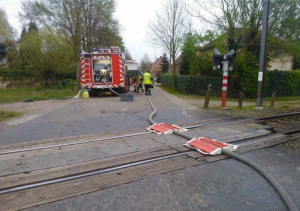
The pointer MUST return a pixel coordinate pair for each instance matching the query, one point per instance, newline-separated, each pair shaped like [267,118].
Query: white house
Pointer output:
[132,67]
[283,63]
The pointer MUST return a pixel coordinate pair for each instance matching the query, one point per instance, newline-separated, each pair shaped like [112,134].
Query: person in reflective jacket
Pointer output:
[140,83]
[147,83]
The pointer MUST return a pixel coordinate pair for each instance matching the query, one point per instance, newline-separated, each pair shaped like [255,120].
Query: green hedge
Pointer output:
[23,74]
[193,84]
[13,74]
[284,83]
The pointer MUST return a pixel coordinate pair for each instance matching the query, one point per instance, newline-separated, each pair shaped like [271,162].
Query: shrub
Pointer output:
[284,83]
[249,83]
[193,84]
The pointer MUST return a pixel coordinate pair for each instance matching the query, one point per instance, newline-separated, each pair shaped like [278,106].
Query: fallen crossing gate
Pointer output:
[208,146]
[165,129]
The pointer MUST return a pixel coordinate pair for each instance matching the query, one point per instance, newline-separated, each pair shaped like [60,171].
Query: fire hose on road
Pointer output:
[280,190]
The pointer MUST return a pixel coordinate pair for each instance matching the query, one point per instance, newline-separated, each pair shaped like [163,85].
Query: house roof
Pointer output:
[131,61]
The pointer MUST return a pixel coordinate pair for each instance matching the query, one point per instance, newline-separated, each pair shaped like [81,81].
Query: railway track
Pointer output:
[99,171]
[282,116]
[120,165]
[114,168]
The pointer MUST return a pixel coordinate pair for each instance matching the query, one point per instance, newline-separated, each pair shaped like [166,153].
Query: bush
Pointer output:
[16,74]
[193,84]
[167,80]
[158,80]
[284,83]
[250,82]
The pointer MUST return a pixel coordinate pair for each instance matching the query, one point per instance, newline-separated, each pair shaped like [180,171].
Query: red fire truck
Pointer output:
[103,65]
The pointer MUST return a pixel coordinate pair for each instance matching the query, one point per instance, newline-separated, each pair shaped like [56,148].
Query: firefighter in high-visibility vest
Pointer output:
[147,83]
[140,83]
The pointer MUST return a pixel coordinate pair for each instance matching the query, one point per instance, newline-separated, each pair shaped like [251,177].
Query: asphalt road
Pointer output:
[224,185]
[227,185]
[96,115]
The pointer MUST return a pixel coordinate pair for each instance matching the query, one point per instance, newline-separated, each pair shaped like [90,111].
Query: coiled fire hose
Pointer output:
[280,190]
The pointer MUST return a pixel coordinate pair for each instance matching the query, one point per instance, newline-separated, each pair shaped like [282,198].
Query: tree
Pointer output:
[46,55]
[167,29]
[164,63]
[5,28]
[79,22]
[127,55]
[188,54]
[13,58]
[145,63]
[32,27]
[23,33]
[241,21]
[10,34]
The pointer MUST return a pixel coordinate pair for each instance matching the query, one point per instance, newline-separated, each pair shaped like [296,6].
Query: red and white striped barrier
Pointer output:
[208,146]
[165,129]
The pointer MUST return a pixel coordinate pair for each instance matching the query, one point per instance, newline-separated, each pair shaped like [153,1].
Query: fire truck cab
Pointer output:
[104,64]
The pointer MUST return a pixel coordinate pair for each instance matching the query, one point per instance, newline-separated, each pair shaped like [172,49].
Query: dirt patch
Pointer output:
[294,144]
[279,124]
[253,113]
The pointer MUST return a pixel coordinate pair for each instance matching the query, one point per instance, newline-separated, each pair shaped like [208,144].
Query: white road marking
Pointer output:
[23,119]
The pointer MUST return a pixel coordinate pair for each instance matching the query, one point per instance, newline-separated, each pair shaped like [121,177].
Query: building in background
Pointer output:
[132,67]
[177,65]
[284,62]
[156,67]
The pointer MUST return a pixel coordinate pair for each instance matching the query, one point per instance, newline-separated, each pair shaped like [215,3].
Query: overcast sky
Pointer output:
[133,15]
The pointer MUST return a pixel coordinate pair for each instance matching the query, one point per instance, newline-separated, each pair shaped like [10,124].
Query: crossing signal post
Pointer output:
[3,50]
[224,62]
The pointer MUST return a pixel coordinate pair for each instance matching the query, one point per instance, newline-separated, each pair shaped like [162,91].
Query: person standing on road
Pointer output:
[140,86]
[147,83]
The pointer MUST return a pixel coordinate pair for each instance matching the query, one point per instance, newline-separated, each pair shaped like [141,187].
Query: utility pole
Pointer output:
[263,48]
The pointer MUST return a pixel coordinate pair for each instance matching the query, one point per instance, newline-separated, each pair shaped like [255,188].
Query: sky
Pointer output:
[133,15]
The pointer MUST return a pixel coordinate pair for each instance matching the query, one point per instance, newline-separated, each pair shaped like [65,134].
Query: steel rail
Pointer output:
[280,116]
[84,142]
[64,179]
[74,143]
[291,132]
[145,133]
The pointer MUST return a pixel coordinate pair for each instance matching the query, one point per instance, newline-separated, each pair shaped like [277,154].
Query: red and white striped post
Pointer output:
[225,82]
[225,60]
[224,89]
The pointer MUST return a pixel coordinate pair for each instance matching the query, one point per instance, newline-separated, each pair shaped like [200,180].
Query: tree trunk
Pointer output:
[174,73]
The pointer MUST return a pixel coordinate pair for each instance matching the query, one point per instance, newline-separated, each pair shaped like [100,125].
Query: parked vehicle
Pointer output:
[103,65]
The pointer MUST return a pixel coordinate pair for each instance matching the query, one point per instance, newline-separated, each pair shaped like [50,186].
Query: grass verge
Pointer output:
[4,115]
[16,95]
